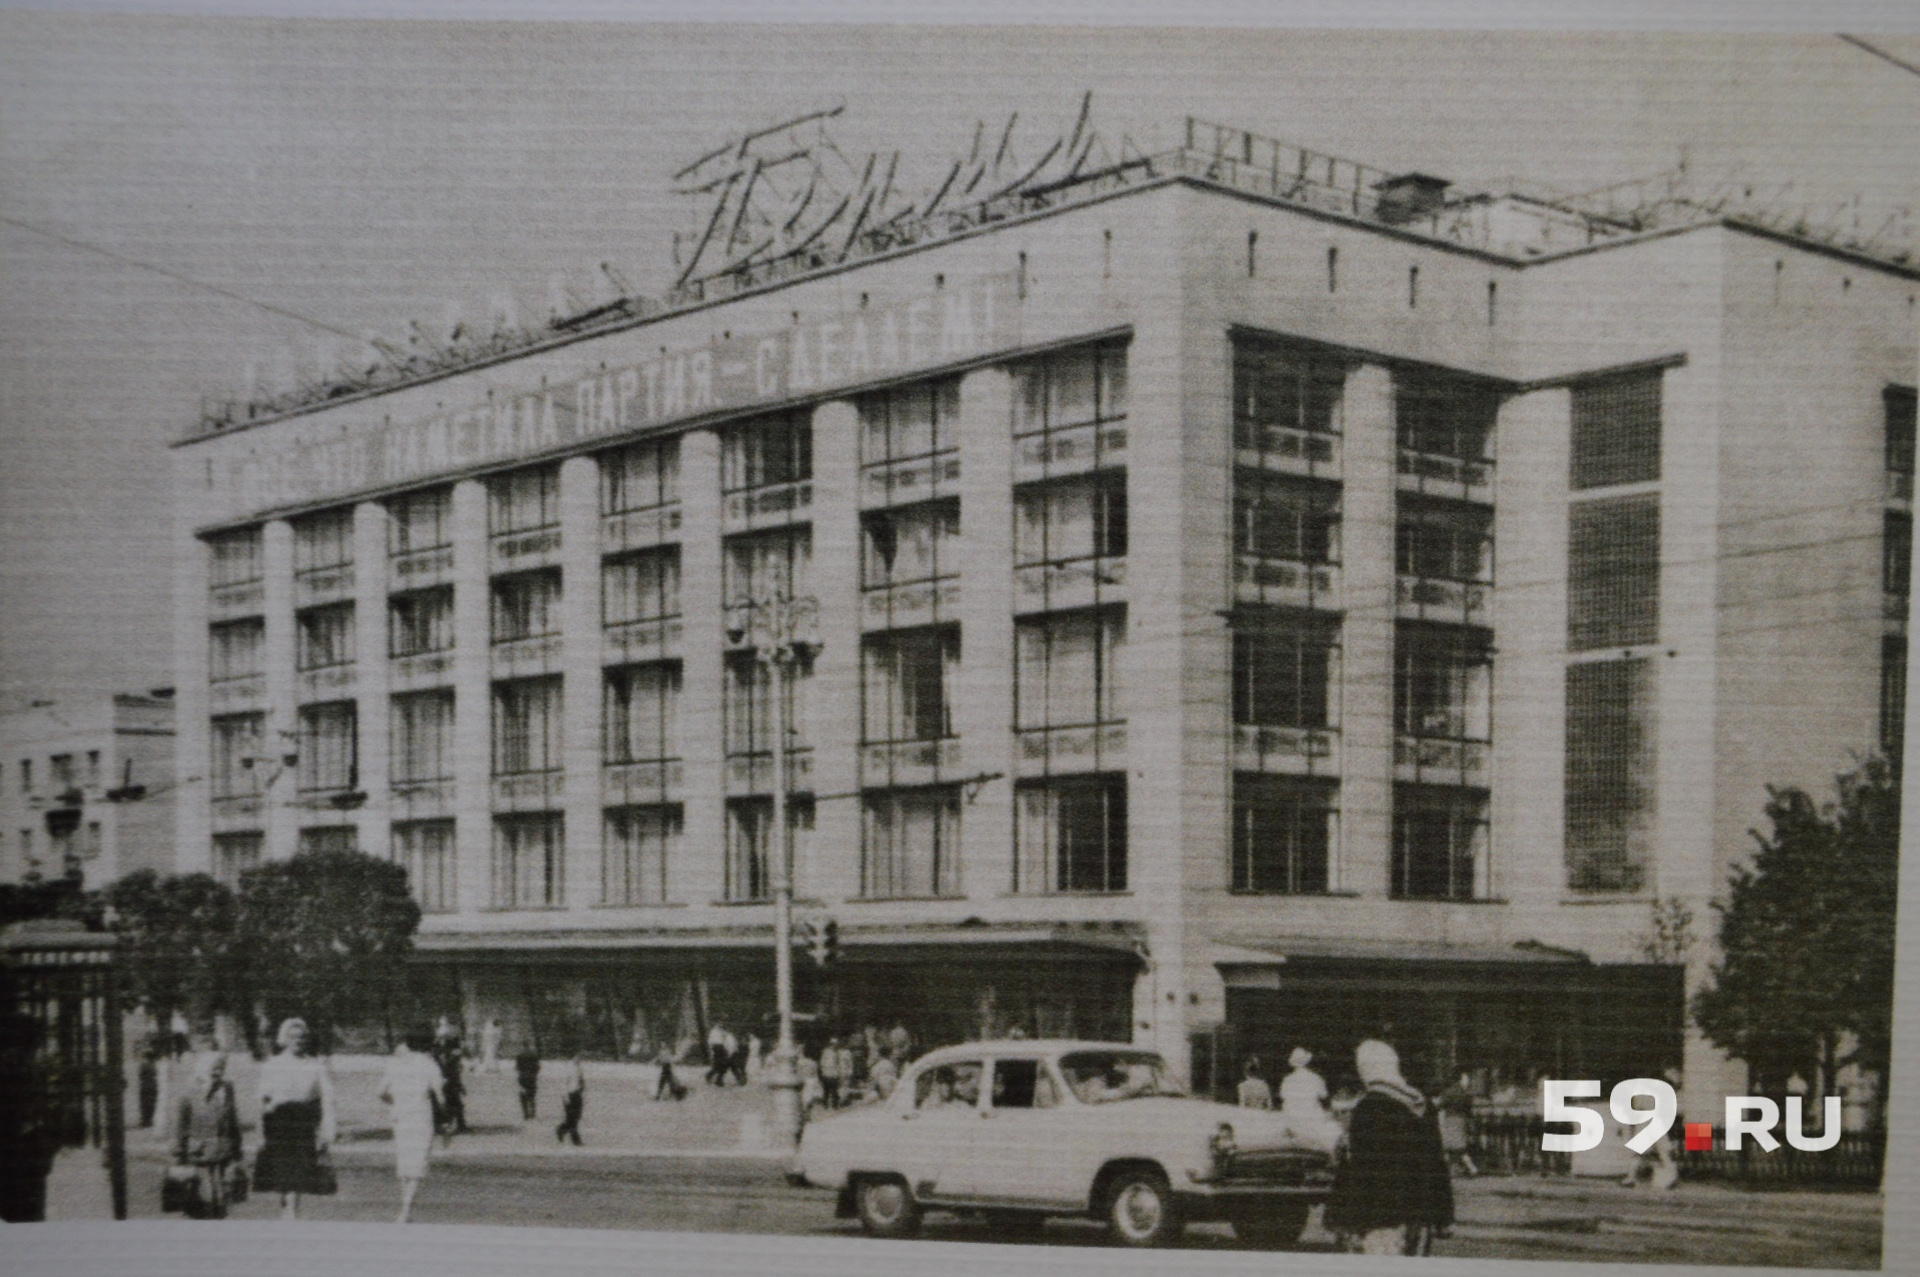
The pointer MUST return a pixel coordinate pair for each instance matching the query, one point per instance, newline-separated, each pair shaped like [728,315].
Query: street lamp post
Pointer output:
[775,631]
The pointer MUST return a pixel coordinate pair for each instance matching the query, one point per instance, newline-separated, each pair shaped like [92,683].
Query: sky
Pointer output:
[182,199]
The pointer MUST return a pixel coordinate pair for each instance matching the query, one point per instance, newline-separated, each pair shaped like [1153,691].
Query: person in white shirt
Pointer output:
[411,1088]
[1254,1092]
[1303,1104]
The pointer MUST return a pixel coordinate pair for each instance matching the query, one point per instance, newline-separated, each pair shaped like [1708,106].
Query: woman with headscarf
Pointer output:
[1392,1189]
[412,1087]
[206,1132]
[297,1121]
[1303,1104]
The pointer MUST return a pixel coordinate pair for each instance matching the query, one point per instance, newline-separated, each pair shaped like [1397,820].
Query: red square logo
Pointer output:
[1699,1137]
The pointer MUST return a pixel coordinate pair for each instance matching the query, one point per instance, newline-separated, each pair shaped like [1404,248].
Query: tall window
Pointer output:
[1899,402]
[333,839]
[640,843]
[1281,517]
[1439,842]
[1071,388]
[1609,775]
[526,726]
[1444,416]
[641,706]
[237,649]
[1616,430]
[1283,666]
[233,558]
[325,636]
[1893,695]
[915,420]
[640,477]
[641,587]
[904,685]
[1070,834]
[768,565]
[1078,518]
[1896,554]
[1613,573]
[1443,682]
[236,742]
[749,844]
[1282,392]
[424,848]
[1443,540]
[767,451]
[526,605]
[749,706]
[422,724]
[234,854]
[529,860]
[329,746]
[1067,668]
[420,621]
[910,843]
[323,541]
[903,545]
[420,521]
[524,500]
[1282,834]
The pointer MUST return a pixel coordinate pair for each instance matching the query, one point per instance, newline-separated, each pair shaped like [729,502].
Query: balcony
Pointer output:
[770,507]
[1438,475]
[1425,598]
[330,682]
[421,799]
[528,791]
[753,773]
[521,658]
[229,694]
[1433,760]
[422,669]
[892,764]
[1048,751]
[639,529]
[514,551]
[233,812]
[658,780]
[1286,583]
[418,569]
[890,607]
[904,482]
[242,598]
[323,585]
[1286,751]
[1055,587]
[1286,450]
[654,640]
[1071,451]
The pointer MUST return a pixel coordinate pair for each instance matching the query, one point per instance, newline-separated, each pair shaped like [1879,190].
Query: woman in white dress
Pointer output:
[1303,1104]
[297,1121]
[412,1088]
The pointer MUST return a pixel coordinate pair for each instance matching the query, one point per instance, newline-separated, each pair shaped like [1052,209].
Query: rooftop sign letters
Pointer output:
[731,374]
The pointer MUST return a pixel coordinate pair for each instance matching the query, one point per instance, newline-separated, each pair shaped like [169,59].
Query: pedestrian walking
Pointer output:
[668,1085]
[206,1136]
[1303,1103]
[1254,1093]
[836,1069]
[720,1048]
[526,1068]
[490,1036]
[297,1121]
[149,1083]
[574,1105]
[453,1088]
[1456,1112]
[411,1088]
[738,1056]
[1392,1191]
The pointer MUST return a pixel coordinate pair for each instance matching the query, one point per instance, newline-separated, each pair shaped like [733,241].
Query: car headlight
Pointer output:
[1223,1146]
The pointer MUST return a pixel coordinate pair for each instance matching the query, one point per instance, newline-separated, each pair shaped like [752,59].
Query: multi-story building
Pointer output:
[1249,611]
[87,784]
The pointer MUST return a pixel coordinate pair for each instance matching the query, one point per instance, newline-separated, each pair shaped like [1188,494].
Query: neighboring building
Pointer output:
[1166,688]
[88,784]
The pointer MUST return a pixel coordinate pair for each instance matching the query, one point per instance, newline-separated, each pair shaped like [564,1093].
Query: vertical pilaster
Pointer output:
[698,877]
[1367,580]
[192,760]
[472,700]
[833,702]
[580,630]
[1530,630]
[278,739]
[983,688]
[370,659]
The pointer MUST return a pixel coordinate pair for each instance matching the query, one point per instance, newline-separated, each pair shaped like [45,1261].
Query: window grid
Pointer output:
[904,688]
[910,843]
[641,706]
[1899,402]
[418,521]
[326,636]
[1070,835]
[1283,835]
[1282,517]
[237,649]
[1282,393]
[910,545]
[641,477]
[425,849]
[1066,669]
[529,861]
[422,726]
[1439,843]
[767,452]
[420,621]
[235,743]
[1077,387]
[641,843]
[911,421]
[1613,573]
[643,586]
[1896,554]
[526,726]
[1443,682]
[1616,431]
[1893,695]
[761,566]
[526,605]
[749,877]
[1609,774]
[523,500]
[322,542]
[329,746]
[748,708]
[234,558]
[1443,541]
[1072,519]
[1444,416]
[1284,671]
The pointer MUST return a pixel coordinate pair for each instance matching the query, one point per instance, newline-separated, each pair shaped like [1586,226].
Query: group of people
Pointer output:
[859,1066]
[1392,1190]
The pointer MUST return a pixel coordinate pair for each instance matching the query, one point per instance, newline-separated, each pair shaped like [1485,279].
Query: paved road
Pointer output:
[1503,1218]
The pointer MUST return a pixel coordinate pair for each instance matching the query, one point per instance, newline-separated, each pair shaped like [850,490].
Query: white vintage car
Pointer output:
[1022,1130]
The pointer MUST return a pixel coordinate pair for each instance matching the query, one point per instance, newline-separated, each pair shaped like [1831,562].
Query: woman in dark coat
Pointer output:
[206,1132]
[1392,1189]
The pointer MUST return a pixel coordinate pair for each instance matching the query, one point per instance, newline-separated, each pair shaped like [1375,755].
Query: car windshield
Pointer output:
[1105,1077]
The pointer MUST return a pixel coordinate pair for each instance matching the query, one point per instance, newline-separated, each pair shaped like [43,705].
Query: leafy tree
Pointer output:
[325,936]
[1806,936]
[62,897]
[179,934]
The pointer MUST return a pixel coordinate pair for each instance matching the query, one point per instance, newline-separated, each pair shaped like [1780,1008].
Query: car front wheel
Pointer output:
[1141,1210]
[886,1208]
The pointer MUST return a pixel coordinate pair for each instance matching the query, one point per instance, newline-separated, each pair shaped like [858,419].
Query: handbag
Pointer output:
[180,1191]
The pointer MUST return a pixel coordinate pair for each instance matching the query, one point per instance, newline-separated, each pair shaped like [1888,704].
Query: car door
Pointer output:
[939,1127]
[1026,1152]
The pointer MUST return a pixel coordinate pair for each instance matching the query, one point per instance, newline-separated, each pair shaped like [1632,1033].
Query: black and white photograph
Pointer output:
[1272,645]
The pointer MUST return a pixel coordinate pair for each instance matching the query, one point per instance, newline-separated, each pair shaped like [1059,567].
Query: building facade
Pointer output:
[1242,617]
[88,788]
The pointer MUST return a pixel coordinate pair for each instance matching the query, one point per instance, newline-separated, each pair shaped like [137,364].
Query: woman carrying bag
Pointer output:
[206,1144]
[297,1122]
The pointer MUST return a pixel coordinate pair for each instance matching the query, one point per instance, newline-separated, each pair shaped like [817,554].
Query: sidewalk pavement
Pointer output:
[621,1116]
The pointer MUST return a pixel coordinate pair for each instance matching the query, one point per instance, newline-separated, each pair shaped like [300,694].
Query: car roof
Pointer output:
[1023,1046]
